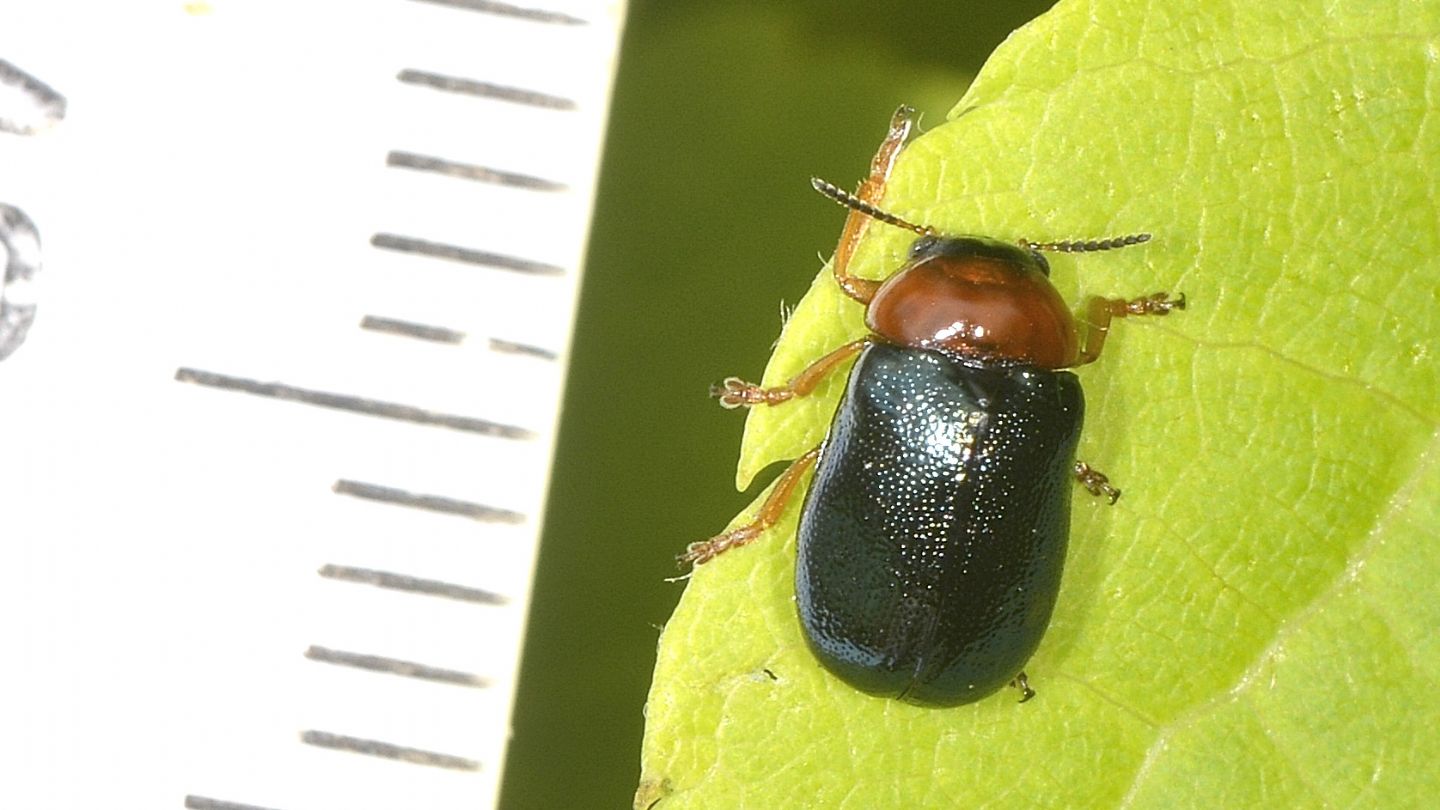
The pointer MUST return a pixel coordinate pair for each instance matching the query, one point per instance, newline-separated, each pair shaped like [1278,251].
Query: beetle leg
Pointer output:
[770,511]
[1100,311]
[870,191]
[1095,481]
[1023,684]
[734,392]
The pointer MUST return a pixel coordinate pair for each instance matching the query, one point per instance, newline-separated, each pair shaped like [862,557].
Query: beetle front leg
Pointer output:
[1100,311]
[770,511]
[1095,481]
[870,191]
[736,393]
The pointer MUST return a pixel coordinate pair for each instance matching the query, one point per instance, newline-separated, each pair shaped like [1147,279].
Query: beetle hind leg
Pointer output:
[1096,482]
[1023,684]
[770,511]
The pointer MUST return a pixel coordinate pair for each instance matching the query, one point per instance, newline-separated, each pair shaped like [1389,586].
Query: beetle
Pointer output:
[933,535]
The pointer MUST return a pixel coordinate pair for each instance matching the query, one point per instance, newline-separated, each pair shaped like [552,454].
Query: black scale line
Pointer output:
[433,503]
[470,171]
[508,10]
[441,334]
[402,582]
[395,326]
[474,87]
[394,666]
[455,253]
[377,748]
[193,802]
[353,404]
[511,347]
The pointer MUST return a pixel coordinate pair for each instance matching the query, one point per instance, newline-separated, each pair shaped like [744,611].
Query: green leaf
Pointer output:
[1255,623]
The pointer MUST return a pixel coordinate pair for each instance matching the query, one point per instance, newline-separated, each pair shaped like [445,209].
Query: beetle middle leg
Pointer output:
[1095,481]
[1100,311]
[734,392]
[770,511]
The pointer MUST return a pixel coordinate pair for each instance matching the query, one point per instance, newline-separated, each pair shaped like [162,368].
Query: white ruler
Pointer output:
[274,451]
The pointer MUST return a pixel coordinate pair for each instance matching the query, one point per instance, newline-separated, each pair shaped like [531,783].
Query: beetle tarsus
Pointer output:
[1159,303]
[1023,684]
[707,550]
[734,392]
[1096,482]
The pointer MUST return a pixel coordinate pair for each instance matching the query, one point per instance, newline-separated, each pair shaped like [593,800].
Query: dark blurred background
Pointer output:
[704,223]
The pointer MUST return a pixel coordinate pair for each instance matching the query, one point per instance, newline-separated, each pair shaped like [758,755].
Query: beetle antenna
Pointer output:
[1088,246]
[849,200]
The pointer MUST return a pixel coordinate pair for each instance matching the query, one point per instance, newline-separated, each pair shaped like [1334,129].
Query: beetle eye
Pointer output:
[1041,261]
[923,246]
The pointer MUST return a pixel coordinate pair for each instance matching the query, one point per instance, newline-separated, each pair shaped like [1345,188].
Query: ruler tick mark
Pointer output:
[511,347]
[507,10]
[204,803]
[394,666]
[394,326]
[433,503]
[376,748]
[469,171]
[409,244]
[401,582]
[473,87]
[441,334]
[354,404]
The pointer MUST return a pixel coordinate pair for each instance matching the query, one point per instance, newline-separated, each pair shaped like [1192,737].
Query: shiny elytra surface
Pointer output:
[934,533]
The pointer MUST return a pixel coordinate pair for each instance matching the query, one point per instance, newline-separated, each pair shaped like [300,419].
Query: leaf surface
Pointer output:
[1254,623]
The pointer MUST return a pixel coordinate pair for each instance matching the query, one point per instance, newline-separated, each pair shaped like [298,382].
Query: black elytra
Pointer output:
[933,536]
